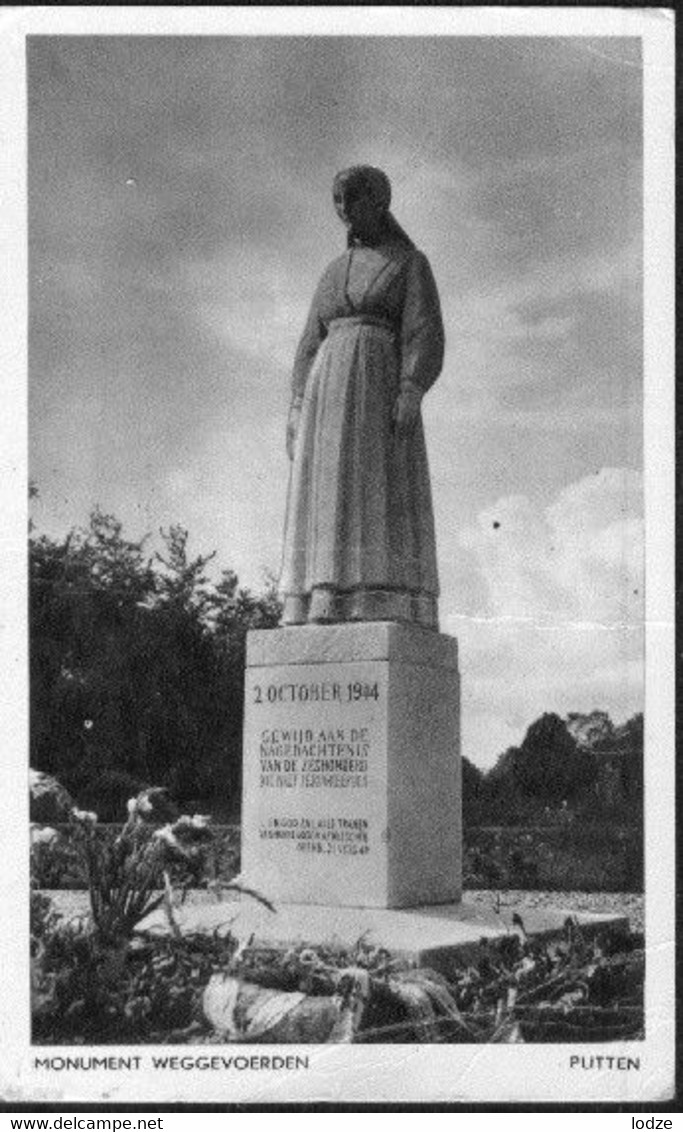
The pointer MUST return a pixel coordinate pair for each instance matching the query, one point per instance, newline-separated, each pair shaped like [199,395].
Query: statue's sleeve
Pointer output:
[422,333]
[314,333]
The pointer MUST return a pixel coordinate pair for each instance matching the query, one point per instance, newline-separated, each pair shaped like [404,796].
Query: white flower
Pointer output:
[167,836]
[43,835]
[200,821]
[140,805]
[87,817]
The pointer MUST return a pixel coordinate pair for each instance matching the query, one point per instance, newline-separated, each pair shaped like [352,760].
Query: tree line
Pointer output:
[583,765]
[137,678]
[137,666]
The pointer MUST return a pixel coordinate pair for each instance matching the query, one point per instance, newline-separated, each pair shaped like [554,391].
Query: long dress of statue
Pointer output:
[359,531]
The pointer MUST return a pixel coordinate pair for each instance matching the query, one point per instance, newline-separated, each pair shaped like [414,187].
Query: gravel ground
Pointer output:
[619,903]
[70,903]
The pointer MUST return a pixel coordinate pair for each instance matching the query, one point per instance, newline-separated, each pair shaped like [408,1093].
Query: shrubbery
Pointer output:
[576,856]
[140,990]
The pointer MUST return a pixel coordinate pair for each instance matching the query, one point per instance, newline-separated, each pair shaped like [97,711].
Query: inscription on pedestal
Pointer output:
[314,768]
[307,759]
[348,836]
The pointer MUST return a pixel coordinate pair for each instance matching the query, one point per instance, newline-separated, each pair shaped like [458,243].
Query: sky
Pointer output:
[180,216]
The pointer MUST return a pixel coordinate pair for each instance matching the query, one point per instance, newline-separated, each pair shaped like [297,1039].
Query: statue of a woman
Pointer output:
[359,531]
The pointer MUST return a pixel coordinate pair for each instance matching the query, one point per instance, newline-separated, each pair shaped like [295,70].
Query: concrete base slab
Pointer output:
[436,936]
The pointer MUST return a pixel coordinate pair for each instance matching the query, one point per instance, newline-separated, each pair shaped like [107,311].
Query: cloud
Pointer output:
[577,560]
[251,304]
[236,490]
[561,625]
[494,322]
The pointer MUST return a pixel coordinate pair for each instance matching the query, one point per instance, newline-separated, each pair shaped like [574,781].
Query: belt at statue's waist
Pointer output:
[362,320]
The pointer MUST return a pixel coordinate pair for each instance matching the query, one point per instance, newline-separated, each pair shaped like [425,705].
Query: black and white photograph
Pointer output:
[339,679]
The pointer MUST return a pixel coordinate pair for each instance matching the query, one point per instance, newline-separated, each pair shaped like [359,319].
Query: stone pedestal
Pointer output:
[352,766]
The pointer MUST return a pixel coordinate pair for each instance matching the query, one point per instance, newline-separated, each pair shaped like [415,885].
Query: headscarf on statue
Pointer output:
[378,187]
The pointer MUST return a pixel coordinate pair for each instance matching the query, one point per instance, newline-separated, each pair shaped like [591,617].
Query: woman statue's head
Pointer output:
[362,195]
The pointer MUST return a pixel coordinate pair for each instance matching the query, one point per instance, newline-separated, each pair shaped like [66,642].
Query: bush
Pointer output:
[85,991]
[125,873]
[57,863]
[573,856]
[49,802]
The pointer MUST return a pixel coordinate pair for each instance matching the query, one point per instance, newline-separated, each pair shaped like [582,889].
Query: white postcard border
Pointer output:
[371,1073]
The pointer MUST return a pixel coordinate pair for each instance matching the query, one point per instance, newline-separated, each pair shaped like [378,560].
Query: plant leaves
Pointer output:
[508,1033]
